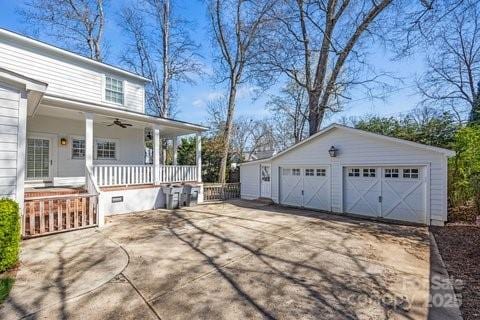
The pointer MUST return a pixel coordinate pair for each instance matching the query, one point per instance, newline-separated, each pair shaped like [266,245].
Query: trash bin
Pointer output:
[191,192]
[172,196]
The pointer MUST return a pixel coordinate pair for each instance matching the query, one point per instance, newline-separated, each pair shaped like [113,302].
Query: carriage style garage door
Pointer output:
[307,187]
[389,192]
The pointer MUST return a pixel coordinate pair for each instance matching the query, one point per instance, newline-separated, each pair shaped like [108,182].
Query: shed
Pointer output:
[346,170]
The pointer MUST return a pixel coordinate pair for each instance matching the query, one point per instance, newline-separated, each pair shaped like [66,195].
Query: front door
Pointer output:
[38,158]
[265,183]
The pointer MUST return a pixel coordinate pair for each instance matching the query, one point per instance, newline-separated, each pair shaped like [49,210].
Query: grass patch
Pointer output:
[6,285]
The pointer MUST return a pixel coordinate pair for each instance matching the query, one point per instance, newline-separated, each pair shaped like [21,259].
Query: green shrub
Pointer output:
[9,234]
[465,166]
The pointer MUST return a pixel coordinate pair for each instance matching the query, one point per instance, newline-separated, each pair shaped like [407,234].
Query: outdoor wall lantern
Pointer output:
[332,151]
[63,141]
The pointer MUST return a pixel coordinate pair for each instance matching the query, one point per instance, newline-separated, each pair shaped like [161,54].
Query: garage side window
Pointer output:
[321,172]
[410,173]
[391,173]
[286,172]
[369,172]
[295,172]
[354,172]
[309,172]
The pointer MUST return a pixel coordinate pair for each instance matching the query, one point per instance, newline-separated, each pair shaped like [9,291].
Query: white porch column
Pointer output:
[156,155]
[198,156]
[89,141]
[175,149]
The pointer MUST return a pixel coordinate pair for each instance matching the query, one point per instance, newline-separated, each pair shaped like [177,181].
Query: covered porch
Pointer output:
[67,146]
[84,161]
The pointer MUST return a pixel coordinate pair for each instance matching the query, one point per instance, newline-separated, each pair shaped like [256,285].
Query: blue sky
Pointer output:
[192,99]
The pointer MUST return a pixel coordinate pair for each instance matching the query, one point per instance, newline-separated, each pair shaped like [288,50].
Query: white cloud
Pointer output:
[202,99]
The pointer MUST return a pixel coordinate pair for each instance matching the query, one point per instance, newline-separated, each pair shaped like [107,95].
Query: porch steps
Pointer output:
[50,192]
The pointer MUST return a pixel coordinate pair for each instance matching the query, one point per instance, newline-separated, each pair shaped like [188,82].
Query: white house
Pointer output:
[66,120]
[345,170]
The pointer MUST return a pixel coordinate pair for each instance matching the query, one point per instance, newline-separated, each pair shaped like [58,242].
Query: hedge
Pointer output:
[9,234]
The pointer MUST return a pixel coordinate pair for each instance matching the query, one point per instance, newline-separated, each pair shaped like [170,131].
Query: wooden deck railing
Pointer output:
[219,191]
[46,215]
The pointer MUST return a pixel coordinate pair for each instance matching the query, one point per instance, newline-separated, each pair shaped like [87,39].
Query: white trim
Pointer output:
[21,151]
[448,153]
[35,43]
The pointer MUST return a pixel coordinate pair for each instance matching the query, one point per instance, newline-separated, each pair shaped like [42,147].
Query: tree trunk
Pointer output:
[227,132]
[314,120]
[165,60]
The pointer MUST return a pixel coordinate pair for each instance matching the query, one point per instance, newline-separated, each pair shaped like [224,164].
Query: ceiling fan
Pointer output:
[118,122]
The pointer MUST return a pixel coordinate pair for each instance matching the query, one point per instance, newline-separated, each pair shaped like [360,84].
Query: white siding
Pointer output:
[250,181]
[9,106]
[130,142]
[66,77]
[355,149]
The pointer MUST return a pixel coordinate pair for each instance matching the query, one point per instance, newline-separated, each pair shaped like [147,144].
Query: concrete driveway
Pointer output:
[232,260]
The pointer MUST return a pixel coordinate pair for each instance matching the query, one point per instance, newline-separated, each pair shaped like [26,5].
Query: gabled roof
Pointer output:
[446,152]
[51,48]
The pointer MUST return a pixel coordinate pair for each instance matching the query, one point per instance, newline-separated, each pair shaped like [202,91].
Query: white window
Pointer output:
[106,150]
[296,172]
[410,173]
[354,172]
[78,148]
[391,173]
[286,172]
[321,172]
[113,90]
[369,172]
[310,172]
[265,173]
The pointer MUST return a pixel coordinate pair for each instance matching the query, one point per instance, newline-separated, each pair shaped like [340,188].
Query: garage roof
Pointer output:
[446,152]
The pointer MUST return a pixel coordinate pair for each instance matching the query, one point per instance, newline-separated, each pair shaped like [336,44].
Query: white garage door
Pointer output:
[307,187]
[397,193]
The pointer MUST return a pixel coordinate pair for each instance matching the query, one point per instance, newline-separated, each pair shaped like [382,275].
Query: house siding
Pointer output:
[250,181]
[9,126]
[65,76]
[357,149]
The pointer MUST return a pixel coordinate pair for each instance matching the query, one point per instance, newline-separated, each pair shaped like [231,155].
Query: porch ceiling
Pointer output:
[169,128]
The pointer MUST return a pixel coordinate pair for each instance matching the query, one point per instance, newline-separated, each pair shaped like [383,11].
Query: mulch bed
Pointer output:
[459,246]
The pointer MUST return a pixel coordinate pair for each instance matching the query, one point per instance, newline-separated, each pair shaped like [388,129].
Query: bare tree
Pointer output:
[453,62]
[236,27]
[321,45]
[290,114]
[248,135]
[161,49]
[77,24]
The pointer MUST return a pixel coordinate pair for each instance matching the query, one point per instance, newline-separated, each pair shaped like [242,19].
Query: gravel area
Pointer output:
[460,250]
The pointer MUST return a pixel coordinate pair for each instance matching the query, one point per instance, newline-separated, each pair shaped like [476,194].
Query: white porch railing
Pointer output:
[178,173]
[118,175]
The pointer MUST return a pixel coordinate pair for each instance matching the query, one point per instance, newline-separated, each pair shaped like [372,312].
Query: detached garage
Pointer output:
[346,170]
